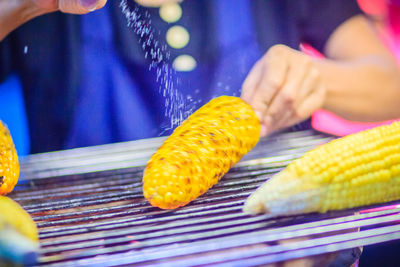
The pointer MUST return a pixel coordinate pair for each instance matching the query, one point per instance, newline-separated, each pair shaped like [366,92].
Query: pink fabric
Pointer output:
[373,7]
[327,122]
[390,11]
[311,51]
[391,35]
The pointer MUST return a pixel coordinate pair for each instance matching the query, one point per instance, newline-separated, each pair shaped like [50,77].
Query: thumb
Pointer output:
[80,6]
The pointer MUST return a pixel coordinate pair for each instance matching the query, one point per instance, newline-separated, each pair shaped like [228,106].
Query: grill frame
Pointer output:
[61,189]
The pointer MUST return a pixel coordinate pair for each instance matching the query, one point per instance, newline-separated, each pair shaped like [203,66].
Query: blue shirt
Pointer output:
[115,105]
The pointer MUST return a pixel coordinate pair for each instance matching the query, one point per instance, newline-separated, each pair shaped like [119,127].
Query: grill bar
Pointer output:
[129,194]
[266,255]
[136,154]
[89,208]
[218,230]
[244,190]
[174,221]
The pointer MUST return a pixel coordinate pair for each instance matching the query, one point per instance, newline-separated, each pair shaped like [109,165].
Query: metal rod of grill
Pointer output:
[89,208]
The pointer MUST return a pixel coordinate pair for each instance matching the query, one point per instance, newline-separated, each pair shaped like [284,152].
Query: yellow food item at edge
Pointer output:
[9,166]
[12,214]
[356,170]
[200,152]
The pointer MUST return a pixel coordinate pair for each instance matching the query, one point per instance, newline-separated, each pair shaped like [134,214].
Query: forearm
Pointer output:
[366,89]
[361,76]
[14,13]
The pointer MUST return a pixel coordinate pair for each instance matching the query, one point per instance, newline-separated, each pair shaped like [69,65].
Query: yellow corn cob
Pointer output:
[200,152]
[12,215]
[357,170]
[9,166]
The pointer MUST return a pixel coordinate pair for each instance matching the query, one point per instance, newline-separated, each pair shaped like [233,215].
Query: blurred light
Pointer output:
[171,12]
[177,37]
[184,63]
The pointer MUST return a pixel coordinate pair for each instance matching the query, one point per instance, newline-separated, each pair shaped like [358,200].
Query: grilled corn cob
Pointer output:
[357,170]
[9,166]
[200,152]
[11,214]
[18,234]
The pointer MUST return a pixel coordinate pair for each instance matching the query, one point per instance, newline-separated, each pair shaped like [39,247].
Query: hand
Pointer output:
[16,12]
[69,6]
[284,88]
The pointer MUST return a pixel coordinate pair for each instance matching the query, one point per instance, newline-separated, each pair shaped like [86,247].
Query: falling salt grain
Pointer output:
[177,108]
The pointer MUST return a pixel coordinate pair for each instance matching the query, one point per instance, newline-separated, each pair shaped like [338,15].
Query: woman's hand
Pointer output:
[16,12]
[284,88]
[69,6]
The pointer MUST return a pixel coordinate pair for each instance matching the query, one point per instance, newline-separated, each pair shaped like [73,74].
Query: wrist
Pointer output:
[320,66]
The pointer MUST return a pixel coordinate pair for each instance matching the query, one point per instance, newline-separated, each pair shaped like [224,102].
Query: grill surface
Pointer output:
[89,208]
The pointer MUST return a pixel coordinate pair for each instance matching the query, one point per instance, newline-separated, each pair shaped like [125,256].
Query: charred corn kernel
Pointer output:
[9,166]
[357,170]
[14,216]
[200,152]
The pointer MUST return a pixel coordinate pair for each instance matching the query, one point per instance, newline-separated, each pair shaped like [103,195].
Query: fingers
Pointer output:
[309,85]
[312,102]
[272,78]
[283,88]
[80,6]
[252,81]
[283,121]
[271,83]
[282,106]
[310,97]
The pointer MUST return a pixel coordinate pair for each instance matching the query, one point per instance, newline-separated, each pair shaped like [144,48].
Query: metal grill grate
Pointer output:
[100,218]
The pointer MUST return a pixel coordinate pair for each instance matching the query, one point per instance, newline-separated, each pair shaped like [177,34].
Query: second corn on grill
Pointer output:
[200,152]
[13,215]
[357,170]
[18,235]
